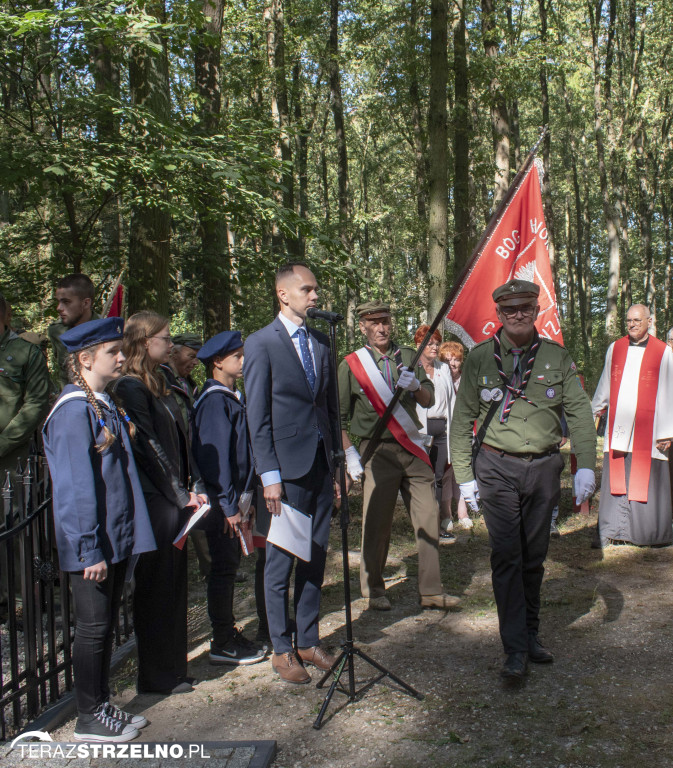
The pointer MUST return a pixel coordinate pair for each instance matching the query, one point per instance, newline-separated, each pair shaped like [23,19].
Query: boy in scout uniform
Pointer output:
[393,468]
[516,385]
[24,402]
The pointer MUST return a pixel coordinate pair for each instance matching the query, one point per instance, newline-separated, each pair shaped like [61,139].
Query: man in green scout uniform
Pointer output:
[177,373]
[24,402]
[74,303]
[519,383]
[392,467]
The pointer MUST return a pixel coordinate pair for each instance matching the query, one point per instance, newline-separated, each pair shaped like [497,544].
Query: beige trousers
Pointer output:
[390,470]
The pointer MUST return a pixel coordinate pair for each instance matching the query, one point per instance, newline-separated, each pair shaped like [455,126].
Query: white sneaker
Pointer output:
[465,522]
[446,525]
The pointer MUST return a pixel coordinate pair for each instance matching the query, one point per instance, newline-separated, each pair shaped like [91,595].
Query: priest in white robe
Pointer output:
[636,387]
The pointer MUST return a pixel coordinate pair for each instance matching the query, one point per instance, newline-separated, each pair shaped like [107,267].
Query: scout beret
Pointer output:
[93,332]
[191,340]
[222,344]
[369,308]
[516,289]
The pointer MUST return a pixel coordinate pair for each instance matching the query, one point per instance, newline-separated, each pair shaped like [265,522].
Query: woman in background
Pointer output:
[171,494]
[436,420]
[451,353]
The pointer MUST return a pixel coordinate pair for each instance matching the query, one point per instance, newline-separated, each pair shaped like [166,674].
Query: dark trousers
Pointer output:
[518,497]
[260,600]
[225,557]
[312,494]
[439,452]
[96,605]
[160,603]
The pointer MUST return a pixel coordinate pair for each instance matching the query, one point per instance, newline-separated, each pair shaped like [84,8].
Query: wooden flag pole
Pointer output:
[492,224]
[111,295]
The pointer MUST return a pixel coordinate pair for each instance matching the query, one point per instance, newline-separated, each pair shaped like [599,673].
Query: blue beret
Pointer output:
[94,332]
[222,344]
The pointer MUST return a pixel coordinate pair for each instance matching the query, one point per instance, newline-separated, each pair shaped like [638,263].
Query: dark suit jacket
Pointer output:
[285,418]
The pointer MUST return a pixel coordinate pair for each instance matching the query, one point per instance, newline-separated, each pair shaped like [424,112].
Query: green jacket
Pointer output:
[54,332]
[24,391]
[355,406]
[553,387]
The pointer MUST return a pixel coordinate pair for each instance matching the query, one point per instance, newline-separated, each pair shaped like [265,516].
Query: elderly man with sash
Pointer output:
[516,385]
[400,463]
[637,388]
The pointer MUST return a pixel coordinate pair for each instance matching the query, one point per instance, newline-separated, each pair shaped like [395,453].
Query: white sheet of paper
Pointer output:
[292,531]
[193,520]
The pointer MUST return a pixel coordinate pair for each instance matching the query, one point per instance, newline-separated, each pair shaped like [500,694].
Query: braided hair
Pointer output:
[75,375]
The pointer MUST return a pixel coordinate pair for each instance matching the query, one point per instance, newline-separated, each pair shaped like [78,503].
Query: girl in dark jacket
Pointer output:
[162,454]
[100,517]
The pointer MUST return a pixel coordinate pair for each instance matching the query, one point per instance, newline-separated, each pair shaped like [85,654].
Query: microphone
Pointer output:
[323,314]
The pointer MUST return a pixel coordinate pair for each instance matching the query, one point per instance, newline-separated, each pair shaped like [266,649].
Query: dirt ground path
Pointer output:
[606,702]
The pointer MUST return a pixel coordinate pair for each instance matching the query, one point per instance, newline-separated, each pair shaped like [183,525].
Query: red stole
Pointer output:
[643,426]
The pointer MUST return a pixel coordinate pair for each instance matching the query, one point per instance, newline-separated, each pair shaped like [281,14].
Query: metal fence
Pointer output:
[38,630]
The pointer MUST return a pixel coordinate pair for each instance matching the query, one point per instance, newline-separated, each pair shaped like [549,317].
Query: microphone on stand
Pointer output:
[322,314]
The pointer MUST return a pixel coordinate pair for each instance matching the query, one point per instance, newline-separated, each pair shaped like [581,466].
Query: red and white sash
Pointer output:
[400,424]
[648,384]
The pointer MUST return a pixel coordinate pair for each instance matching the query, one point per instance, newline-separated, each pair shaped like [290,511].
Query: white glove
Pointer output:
[585,485]
[470,492]
[408,381]
[353,466]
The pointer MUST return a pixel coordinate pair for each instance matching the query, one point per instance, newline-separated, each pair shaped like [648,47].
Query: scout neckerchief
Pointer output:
[643,423]
[516,385]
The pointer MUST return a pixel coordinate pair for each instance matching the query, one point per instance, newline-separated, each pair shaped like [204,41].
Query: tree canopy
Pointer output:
[195,144]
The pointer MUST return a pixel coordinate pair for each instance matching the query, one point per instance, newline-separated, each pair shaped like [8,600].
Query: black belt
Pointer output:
[522,456]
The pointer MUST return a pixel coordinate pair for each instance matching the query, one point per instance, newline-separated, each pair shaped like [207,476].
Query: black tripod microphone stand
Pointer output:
[348,649]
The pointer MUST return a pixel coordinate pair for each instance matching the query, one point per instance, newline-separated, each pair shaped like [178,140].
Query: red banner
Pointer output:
[517,248]
[117,302]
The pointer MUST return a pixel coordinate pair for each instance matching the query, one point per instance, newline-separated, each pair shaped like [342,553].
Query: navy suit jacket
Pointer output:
[285,418]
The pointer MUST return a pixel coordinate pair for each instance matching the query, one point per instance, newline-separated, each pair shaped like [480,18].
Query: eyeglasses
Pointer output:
[165,339]
[526,311]
[433,344]
[634,322]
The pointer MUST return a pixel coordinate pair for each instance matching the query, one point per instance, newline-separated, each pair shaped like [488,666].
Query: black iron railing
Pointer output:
[38,630]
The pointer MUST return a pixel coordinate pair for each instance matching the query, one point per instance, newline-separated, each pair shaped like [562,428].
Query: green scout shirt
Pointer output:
[355,406]
[553,386]
[54,332]
[24,391]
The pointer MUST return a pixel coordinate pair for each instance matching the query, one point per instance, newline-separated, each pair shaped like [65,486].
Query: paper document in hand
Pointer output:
[181,538]
[292,531]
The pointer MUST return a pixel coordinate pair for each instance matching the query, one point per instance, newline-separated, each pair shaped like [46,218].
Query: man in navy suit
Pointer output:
[292,417]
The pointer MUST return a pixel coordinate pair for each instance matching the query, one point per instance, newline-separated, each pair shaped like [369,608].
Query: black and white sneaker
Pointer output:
[103,728]
[137,721]
[238,651]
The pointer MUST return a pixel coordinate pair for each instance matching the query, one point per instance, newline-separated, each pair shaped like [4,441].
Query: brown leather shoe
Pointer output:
[442,602]
[318,657]
[290,668]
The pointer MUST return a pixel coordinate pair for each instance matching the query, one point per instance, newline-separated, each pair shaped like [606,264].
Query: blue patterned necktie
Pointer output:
[306,358]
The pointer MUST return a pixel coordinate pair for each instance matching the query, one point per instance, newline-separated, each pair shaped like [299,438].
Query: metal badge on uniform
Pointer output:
[547,366]
[486,395]
[496,395]
[551,392]
[9,358]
